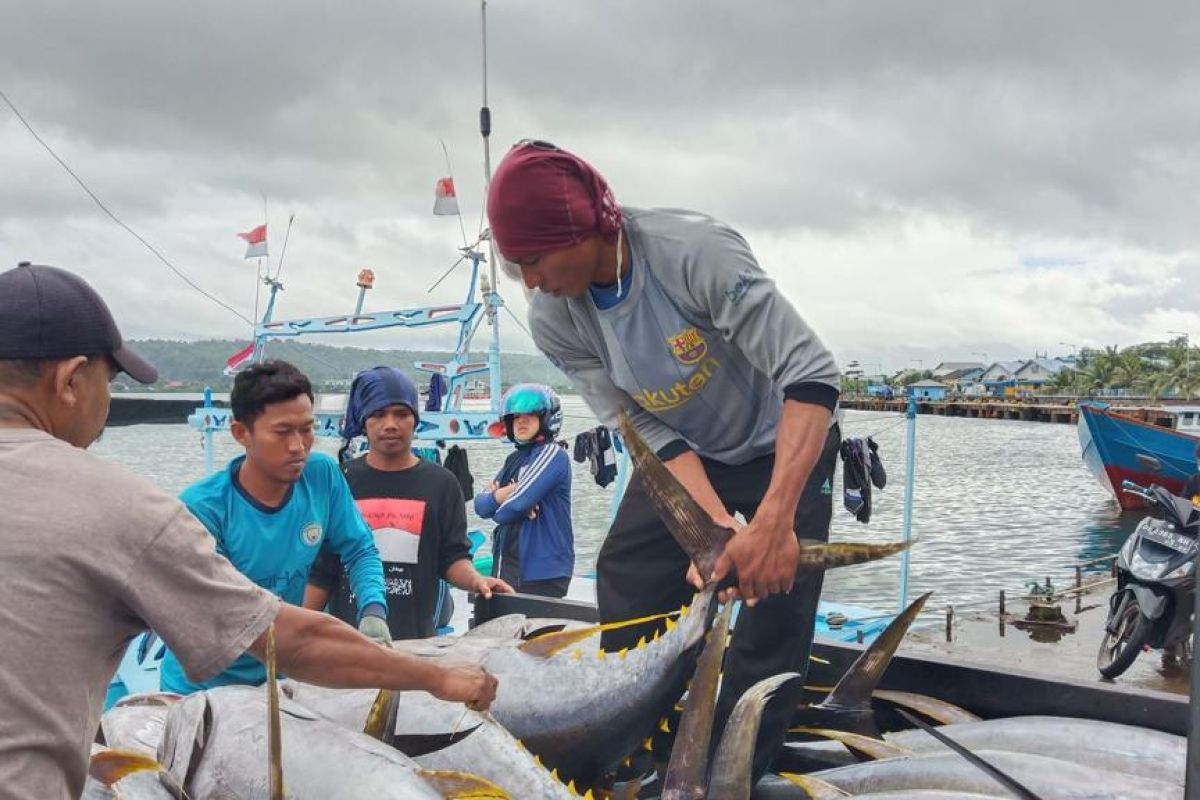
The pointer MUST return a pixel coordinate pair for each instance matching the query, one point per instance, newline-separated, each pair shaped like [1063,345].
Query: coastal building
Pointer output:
[1001,376]
[964,381]
[1034,374]
[928,390]
[945,369]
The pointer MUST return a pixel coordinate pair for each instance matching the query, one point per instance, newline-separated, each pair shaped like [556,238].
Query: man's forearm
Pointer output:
[315,597]
[462,574]
[320,649]
[799,441]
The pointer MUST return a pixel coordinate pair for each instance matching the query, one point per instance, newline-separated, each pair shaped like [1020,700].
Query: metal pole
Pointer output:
[485,130]
[208,433]
[1192,786]
[909,476]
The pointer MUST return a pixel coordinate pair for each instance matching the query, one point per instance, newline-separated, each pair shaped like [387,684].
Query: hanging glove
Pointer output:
[373,625]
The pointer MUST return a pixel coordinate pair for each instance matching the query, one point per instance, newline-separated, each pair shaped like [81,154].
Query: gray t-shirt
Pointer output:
[702,347]
[91,555]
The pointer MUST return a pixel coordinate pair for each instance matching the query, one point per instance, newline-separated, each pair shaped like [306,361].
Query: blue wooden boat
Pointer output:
[1117,448]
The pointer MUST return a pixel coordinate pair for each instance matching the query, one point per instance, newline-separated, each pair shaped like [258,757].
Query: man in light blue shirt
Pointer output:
[271,509]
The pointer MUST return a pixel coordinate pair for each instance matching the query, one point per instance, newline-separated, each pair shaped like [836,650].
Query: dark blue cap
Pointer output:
[49,313]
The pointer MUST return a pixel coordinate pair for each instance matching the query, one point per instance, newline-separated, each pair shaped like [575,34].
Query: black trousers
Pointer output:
[510,573]
[641,571]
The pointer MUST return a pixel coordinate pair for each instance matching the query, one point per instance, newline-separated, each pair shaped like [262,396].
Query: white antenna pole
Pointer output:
[485,129]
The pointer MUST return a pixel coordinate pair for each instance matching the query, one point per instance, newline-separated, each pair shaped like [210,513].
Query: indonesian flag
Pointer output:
[445,201]
[256,242]
[239,359]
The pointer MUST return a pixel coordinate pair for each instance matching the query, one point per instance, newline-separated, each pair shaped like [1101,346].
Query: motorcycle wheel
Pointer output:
[1118,651]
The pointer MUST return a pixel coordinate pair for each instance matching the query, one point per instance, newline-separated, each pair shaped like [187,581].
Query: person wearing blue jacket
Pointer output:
[271,510]
[533,547]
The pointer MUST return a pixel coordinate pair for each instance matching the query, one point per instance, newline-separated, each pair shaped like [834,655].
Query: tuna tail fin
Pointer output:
[865,746]
[381,719]
[702,539]
[112,766]
[816,555]
[686,771]
[816,788]
[854,690]
[937,710]
[462,786]
[731,767]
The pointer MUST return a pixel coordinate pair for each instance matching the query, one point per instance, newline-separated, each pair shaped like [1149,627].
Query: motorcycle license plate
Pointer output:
[1171,539]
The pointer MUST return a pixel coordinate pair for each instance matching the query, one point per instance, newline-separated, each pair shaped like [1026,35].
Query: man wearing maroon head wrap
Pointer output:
[667,314]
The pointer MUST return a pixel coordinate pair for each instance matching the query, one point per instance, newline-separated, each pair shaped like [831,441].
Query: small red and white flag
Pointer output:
[445,201]
[256,242]
[239,359]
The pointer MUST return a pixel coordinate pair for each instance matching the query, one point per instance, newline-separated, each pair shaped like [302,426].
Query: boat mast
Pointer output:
[491,295]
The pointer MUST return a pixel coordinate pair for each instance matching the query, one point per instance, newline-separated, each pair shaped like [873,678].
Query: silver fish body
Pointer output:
[141,786]
[479,744]
[136,722]
[580,710]
[217,740]
[1050,778]
[1105,745]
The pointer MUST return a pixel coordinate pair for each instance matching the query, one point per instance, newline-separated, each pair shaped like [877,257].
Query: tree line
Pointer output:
[191,366]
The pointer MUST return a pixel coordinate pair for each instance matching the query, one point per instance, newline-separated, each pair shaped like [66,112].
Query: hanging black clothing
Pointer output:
[456,462]
[596,447]
[862,468]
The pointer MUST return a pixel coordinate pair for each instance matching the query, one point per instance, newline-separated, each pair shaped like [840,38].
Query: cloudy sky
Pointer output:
[926,181]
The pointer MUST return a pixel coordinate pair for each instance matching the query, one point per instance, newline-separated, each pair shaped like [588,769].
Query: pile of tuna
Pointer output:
[567,714]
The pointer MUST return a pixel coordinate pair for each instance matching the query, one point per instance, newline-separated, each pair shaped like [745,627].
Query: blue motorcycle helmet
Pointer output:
[532,398]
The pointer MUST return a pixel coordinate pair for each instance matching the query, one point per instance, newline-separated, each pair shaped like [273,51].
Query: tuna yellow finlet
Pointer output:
[664,725]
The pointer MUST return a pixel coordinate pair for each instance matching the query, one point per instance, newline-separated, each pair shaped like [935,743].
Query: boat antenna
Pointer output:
[485,130]
[283,251]
[258,274]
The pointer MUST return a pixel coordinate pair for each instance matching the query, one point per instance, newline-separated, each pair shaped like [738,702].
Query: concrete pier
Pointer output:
[1033,410]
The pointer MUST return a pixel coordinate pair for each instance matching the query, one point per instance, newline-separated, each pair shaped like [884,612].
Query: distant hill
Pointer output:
[190,366]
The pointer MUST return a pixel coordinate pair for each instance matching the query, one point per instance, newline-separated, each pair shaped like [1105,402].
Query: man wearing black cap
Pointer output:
[91,555]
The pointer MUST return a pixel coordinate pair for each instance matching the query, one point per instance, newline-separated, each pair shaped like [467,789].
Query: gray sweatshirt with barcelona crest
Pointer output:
[701,349]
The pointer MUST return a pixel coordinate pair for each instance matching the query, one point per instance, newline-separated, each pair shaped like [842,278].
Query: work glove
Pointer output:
[376,629]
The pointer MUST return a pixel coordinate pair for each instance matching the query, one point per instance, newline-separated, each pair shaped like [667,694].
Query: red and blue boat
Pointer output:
[1117,447]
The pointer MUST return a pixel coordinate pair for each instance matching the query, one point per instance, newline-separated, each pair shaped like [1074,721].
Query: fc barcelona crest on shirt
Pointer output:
[688,346]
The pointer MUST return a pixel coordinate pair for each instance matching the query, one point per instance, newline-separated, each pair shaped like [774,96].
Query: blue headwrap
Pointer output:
[374,390]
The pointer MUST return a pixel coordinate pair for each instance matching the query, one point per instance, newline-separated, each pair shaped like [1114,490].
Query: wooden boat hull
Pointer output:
[1117,448]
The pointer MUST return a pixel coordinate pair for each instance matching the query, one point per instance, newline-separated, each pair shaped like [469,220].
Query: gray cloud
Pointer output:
[848,134]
